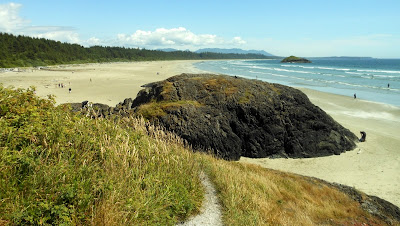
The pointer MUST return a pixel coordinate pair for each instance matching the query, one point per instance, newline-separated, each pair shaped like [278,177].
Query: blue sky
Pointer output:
[303,28]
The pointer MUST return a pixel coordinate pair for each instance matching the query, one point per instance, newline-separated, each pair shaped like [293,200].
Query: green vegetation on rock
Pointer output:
[253,118]
[294,59]
[154,109]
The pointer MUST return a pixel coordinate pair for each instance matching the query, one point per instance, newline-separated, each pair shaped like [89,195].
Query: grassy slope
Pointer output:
[252,195]
[57,167]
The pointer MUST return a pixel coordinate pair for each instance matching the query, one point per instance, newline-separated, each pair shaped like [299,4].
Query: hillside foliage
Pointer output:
[58,167]
[63,168]
[23,51]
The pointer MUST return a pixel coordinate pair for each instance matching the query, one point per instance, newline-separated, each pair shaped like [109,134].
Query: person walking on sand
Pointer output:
[69,90]
[355,96]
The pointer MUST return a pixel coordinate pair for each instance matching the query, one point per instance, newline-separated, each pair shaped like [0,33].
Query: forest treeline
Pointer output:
[24,51]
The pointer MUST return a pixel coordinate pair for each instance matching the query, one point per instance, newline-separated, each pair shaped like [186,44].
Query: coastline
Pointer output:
[373,167]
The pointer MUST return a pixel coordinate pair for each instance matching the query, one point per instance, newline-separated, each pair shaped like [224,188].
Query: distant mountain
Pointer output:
[235,50]
[168,50]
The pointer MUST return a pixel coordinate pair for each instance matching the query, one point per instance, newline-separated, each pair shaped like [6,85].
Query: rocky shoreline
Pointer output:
[236,117]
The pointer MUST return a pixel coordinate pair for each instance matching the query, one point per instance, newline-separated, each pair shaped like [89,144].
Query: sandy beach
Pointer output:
[373,167]
[107,83]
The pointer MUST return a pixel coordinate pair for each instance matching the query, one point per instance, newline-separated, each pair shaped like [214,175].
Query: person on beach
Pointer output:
[363,136]
[388,85]
[355,96]
[69,90]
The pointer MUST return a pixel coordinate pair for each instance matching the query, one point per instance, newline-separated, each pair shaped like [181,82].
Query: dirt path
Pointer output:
[211,213]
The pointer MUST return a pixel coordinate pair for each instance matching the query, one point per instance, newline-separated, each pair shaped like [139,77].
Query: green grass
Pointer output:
[158,109]
[61,168]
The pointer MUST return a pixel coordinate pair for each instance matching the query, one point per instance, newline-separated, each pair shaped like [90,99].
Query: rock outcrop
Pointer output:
[294,59]
[96,110]
[235,117]
[240,117]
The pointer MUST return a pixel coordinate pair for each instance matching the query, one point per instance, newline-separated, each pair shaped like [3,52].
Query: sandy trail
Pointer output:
[211,213]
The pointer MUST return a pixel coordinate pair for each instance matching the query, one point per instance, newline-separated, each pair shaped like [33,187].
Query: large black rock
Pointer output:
[240,117]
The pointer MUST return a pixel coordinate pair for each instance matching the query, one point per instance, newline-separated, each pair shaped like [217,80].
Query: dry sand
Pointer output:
[107,83]
[373,167]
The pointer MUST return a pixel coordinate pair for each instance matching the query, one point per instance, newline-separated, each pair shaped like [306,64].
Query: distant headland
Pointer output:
[294,59]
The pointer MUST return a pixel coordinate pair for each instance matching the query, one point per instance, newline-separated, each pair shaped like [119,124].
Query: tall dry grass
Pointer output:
[57,167]
[157,170]
[251,195]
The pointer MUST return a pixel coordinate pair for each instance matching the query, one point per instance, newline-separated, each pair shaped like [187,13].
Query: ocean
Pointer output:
[371,79]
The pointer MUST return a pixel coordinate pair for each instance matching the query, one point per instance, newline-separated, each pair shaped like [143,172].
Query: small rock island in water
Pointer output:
[294,59]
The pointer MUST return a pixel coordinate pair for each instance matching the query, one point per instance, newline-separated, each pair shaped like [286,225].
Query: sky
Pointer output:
[307,28]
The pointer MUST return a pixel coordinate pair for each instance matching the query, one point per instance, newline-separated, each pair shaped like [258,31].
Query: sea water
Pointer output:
[370,79]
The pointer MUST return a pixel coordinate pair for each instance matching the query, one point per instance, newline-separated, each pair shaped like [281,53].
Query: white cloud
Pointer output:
[238,41]
[180,38]
[10,21]
[63,34]
[93,41]
[175,37]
